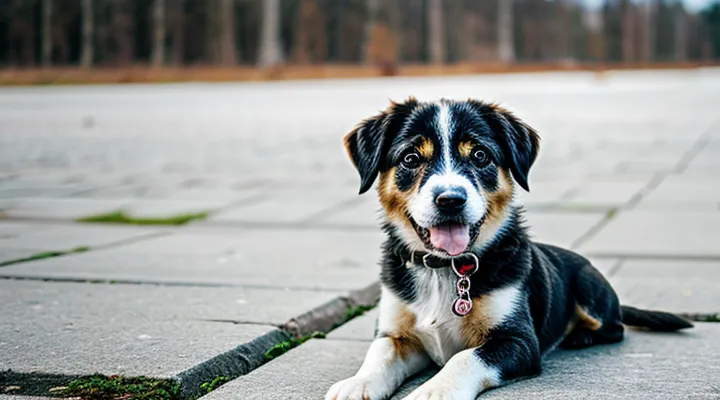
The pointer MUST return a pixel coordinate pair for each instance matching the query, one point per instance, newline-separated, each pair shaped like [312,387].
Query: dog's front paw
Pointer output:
[358,388]
[436,391]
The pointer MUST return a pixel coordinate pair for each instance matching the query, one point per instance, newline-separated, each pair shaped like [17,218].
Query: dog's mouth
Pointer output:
[453,238]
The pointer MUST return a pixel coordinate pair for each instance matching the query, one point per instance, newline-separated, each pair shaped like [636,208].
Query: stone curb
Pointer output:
[333,313]
[249,356]
[236,362]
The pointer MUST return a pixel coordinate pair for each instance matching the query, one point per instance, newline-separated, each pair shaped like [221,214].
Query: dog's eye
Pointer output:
[411,160]
[480,157]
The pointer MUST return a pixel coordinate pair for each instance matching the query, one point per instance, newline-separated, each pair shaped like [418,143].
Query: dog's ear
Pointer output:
[521,143]
[364,145]
[368,144]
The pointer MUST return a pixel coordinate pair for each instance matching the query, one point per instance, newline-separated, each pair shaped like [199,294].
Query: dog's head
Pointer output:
[446,169]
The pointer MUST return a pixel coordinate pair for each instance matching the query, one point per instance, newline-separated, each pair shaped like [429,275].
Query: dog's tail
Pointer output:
[654,320]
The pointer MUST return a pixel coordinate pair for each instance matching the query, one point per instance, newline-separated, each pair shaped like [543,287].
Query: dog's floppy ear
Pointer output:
[367,144]
[364,145]
[522,143]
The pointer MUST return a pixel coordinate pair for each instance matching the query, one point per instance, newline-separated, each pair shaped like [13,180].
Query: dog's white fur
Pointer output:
[464,374]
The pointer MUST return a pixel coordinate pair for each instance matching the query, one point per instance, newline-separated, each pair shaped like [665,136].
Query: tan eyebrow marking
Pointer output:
[465,148]
[426,148]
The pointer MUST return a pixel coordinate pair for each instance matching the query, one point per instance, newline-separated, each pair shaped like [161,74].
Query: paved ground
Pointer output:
[628,175]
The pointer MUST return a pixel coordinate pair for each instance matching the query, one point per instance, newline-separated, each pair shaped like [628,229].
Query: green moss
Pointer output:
[285,346]
[45,254]
[120,217]
[354,312]
[99,387]
[209,386]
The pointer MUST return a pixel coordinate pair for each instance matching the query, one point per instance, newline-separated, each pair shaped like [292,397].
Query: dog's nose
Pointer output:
[451,200]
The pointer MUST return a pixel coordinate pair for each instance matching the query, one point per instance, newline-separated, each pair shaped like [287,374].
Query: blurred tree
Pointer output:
[711,16]
[506,48]
[47,42]
[647,49]
[372,12]
[88,36]
[436,39]
[177,34]
[629,50]
[270,45]
[158,50]
[681,34]
[21,33]
[228,48]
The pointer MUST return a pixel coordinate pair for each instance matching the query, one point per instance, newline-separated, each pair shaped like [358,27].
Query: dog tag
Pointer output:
[462,307]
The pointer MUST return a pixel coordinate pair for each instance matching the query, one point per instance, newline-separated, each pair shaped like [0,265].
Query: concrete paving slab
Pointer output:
[644,366]
[7,255]
[364,212]
[268,258]
[284,207]
[670,269]
[644,233]
[684,188]
[306,372]
[560,228]
[615,193]
[679,295]
[67,237]
[62,208]
[361,328]
[227,243]
[69,329]
[169,208]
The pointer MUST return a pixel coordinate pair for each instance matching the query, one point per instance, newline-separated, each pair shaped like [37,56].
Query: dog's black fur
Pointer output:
[566,300]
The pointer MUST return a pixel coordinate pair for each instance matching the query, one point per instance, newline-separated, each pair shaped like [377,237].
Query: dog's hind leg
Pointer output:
[598,316]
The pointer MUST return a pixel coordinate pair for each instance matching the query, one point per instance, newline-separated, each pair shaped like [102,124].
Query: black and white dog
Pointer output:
[462,284]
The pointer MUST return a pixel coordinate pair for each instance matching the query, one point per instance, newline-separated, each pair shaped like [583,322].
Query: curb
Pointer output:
[251,355]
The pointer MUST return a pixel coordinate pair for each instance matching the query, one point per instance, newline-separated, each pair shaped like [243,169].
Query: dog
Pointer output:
[462,284]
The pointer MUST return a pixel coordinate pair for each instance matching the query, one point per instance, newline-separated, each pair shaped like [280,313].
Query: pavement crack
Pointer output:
[238,322]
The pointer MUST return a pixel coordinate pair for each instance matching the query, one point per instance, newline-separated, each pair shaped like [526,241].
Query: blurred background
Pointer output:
[255,33]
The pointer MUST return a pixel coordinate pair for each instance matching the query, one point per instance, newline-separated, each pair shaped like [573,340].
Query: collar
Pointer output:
[463,265]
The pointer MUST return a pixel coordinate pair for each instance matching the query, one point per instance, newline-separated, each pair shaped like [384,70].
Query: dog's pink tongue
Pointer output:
[453,238]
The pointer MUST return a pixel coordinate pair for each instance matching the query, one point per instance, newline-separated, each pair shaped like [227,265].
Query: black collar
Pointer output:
[463,264]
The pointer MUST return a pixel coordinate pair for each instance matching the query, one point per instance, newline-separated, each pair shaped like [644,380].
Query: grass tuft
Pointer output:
[99,387]
[209,386]
[285,346]
[354,312]
[120,217]
[45,254]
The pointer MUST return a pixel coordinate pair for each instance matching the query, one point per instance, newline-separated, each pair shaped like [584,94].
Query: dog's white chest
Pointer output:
[440,338]
[439,330]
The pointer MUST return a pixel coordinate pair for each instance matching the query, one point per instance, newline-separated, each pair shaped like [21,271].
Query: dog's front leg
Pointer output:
[468,373]
[388,362]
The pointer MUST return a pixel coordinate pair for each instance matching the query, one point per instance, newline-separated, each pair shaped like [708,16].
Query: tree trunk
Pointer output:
[228,52]
[628,33]
[648,47]
[158,52]
[270,44]
[88,53]
[178,33]
[436,34]
[506,45]
[47,45]
[372,9]
[680,33]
